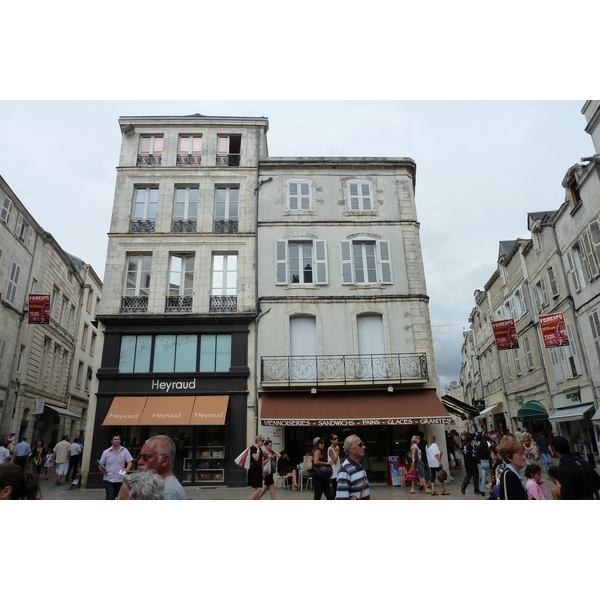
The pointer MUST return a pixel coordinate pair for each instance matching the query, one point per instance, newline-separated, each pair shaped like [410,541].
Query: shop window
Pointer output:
[215,353]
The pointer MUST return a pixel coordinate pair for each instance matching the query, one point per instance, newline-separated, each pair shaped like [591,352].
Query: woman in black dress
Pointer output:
[255,472]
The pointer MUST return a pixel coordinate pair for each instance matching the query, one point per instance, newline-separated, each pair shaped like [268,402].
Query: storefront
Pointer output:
[575,423]
[385,421]
[534,417]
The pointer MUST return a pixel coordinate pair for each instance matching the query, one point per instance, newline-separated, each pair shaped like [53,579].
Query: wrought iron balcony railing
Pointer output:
[346,369]
[223,303]
[184,225]
[149,159]
[189,159]
[178,304]
[226,226]
[134,303]
[228,160]
[143,226]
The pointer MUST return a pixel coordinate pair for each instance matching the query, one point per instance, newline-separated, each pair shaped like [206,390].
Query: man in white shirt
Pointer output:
[4,453]
[74,460]
[61,454]
[158,454]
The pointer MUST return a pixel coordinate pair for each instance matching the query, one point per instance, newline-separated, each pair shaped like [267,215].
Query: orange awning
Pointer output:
[125,410]
[410,407]
[209,410]
[167,410]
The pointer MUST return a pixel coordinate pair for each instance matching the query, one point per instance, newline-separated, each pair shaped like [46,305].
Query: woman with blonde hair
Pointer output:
[416,462]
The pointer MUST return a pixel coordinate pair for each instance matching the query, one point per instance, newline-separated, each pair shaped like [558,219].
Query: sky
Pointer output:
[481,167]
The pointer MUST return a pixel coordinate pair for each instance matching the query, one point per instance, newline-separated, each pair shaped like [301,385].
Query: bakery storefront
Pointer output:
[384,420]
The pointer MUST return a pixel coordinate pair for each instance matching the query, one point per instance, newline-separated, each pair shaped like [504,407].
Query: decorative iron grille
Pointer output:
[189,159]
[178,304]
[134,303]
[226,226]
[228,160]
[149,159]
[143,226]
[184,225]
[223,303]
[393,368]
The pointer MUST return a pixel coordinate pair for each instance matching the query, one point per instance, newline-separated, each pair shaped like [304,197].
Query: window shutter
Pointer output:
[595,238]
[595,326]
[367,203]
[589,255]
[571,353]
[354,201]
[321,276]
[553,282]
[573,271]
[556,366]
[385,261]
[528,353]
[517,361]
[346,254]
[281,262]
[305,195]
[293,195]
[544,292]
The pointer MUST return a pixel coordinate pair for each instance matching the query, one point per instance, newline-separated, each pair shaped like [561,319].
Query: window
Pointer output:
[24,231]
[299,194]
[150,152]
[588,251]
[185,353]
[595,326]
[84,336]
[359,195]
[63,310]
[190,150]
[5,210]
[88,379]
[553,282]
[366,261]
[2,352]
[565,360]
[144,210]
[224,283]
[137,283]
[181,283]
[507,364]
[13,282]
[185,214]
[301,262]
[228,150]
[90,300]
[93,343]
[79,379]
[541,295]
[226,210]
[517,357]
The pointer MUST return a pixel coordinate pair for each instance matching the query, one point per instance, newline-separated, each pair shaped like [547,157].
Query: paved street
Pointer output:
[379,491]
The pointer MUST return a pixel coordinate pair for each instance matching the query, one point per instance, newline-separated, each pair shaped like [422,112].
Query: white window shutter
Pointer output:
[556,365]
[367,202]
[292,195]
[595,327]
[544,292]
[321,275]
[571,351]
[573,271]
[589,254]
[346,256]
[304,195]
[353,199]
[385,261]
[281,262]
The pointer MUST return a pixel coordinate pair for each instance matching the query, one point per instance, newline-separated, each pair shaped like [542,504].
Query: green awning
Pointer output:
[532,411]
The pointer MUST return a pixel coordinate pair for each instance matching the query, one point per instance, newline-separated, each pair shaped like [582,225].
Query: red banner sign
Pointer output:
[505,334]
[39,309]
[554,330]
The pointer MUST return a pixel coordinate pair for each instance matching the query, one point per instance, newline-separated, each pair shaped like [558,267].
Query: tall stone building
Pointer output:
[245,293]
[40,397]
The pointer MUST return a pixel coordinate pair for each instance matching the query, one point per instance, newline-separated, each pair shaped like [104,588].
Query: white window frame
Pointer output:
[595,327]
[383,261]
[517,358]
[191,139]
[299,194]
[182,198]
[541,295]
[6,209]
[528,353]
[152,151]
[579,275]
[228,203]
[13,282]
[227,272]
[360,195]
[553,282]
[185,275]
[145,199]
[319,262]
[139,287]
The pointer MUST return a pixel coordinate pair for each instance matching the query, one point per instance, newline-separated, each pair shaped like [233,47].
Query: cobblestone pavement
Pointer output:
[379,491]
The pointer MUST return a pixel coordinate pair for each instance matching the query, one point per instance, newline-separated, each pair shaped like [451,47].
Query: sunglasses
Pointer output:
[361,445]
[146,457]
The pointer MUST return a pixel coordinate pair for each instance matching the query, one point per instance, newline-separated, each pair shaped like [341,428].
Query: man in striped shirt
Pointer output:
[352,481]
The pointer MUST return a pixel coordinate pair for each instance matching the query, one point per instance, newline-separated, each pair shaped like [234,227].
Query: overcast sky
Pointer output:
[481,167]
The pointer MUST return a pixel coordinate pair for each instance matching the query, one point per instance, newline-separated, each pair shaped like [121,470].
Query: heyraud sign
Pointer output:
[353,422]
[171,386]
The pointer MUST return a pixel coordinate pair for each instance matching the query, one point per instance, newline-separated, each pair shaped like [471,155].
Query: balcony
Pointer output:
[223,304]
[143,226]
[185,225]
[388,369]
[226,226]
[189,159]
[134,303]
[149,159]
[178,304]
[228,160]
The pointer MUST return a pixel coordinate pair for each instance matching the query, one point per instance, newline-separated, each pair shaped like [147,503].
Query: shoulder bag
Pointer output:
[322,471]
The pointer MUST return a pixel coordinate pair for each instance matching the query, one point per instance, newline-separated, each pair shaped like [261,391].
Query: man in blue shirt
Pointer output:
[22,451]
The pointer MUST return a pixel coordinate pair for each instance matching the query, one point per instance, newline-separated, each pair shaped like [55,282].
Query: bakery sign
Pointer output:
[554,330]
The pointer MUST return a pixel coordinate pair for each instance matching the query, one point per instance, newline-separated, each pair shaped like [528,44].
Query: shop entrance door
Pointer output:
[303,348]
[371,345]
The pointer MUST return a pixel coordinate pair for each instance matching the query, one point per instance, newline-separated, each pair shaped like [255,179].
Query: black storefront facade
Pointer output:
[203,408]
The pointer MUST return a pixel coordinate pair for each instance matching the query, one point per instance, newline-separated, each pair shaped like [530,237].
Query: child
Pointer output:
[553,474]
[535,486]
[48,464]
[401,464]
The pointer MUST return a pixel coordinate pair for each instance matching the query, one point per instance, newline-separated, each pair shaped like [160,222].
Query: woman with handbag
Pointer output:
[269,469]
[434,458]
[417,463]
[322,470]
[255,471]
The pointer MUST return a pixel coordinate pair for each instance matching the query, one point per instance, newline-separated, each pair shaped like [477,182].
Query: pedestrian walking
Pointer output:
[62,452]
[321,484]
[534,484]
[416,462]
[512,486]
[457,448]
[532,454]
[543,445]
[434,458]
[114,463]
[471,467]
[38,455]
[22,451]
[255,471]
[269,470]
[49,462]
[482,449]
